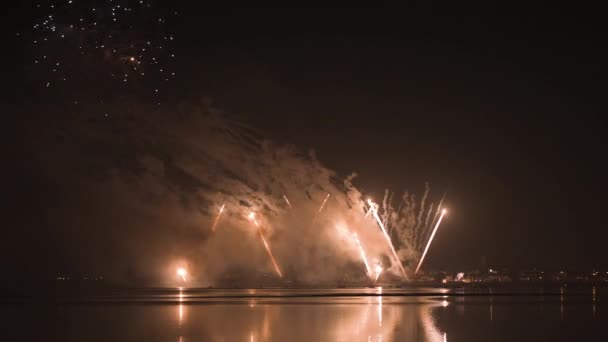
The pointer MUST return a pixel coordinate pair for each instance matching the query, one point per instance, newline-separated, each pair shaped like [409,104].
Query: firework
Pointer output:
[287,201]
[320,208]
[377,271]
[272,259]
[430,240]
[182,273]
[323,204]
[369,211]
[343,230]
[388,239]
[217,218]
[363,256]
[437,212]
[124,45]
[252,218]
[428,216]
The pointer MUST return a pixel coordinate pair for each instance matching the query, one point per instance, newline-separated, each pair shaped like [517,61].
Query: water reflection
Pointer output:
[180,307]
[561,303]
[373,319]
[593,299]
[180,312]
[313,315]
[594,311]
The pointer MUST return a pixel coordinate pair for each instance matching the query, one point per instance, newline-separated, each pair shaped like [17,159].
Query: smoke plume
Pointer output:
[134,194]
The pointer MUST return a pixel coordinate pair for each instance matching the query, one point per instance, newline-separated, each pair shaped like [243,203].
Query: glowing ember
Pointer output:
[388,239]
[430,240]
[377,271]
[251,218]
[182,273]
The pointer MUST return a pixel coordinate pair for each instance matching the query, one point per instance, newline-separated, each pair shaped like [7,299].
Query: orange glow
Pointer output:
[251,218]
[182,273]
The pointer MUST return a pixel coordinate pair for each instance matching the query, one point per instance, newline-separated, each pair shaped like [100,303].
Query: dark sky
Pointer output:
[501,108]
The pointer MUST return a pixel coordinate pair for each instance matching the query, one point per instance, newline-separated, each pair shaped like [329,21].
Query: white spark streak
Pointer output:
[217,218]
[388,239]
[286,201]
[430,240]
[324,202]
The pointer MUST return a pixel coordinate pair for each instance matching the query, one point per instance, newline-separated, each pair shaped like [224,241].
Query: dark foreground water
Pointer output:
[308,315]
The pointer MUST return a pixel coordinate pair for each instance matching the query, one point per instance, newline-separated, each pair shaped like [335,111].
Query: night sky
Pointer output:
[500,108]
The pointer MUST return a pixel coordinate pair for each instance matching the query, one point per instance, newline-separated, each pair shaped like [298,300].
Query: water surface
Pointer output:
[368,314]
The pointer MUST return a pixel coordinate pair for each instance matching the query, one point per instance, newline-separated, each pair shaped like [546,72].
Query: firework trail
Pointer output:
[386,206]
[323,204]
[430,240]
[217,218]
[363,256]
[439,208]
[422,203]
[398,212]
[320,208]
[372,206]
[287,201]
[274,262]
[355,237]
[266,245]
[428,216]
[377,271]
[388,239]
[369,211]
[435,217]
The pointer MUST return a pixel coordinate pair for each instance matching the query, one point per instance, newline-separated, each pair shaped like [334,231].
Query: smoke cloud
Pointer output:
[134,195]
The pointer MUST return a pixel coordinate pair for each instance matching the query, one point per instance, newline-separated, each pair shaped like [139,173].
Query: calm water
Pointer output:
[308,315]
